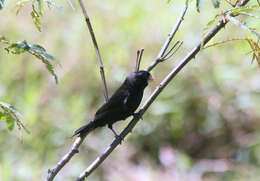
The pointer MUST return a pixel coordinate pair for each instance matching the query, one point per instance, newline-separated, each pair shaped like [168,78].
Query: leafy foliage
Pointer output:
[36,50]
[1,4]
[199,4]
[36,18]
[230,15]
[255,47]
[11,116]
[245,10]
[215,3]
[37,8]
[244,26]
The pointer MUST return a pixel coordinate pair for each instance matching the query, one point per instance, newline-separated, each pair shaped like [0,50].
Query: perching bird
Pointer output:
[121,104]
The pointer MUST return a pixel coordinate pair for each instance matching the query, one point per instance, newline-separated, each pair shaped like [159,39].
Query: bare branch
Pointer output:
[65,159]
[101,67]
[138,59]
[154,95]
[169,39]
[137,63]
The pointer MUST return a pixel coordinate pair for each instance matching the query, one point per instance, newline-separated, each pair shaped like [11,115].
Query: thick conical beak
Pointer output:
[151,78]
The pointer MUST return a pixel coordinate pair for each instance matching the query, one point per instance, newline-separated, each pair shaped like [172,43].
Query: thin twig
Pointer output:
[172,51]
[140,57]
[154,95]
[225,41]
[175,44]
[159,57]
[101,67]
[137,61]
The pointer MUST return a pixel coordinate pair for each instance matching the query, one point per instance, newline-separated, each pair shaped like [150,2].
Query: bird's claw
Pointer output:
[119,138]
[137,115]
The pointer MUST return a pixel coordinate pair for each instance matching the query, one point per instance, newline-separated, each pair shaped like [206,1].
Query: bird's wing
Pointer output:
[117,101]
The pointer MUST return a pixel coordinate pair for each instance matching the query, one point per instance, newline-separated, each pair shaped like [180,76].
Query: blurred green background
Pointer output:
[204,126]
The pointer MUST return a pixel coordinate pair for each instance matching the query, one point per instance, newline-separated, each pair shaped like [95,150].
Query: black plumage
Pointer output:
[121,104]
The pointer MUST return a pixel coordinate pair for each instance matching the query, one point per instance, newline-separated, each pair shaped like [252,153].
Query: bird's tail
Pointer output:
[85,129]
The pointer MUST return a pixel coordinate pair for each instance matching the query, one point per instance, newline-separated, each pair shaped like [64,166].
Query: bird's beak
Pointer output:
[151,79]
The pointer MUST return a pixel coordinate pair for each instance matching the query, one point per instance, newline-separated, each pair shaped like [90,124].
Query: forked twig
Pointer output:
[172,51]
[161,54]
[138,59]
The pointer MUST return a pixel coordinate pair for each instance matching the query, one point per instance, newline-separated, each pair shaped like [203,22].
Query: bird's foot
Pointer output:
[119,138]
[137,115]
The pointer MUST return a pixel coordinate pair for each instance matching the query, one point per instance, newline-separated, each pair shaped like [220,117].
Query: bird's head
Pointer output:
[139,79]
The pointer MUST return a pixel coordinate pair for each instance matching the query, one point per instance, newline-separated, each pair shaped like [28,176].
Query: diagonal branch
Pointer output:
[65,159]
[101,67]
[154,95]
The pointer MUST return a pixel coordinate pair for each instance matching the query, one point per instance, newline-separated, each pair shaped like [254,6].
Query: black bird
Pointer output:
[121,104]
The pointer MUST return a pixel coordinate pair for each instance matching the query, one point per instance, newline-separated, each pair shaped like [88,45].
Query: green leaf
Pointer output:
[40,50]
[237,10]
[3,39]
[41,53]
[2,116]
[9,108]
[215,3]
[10,122]
[1,4]
[37,9]
[12,116]
[187,2]
[39,3]
[22,2]
[36,50]
[210,23]
[36,17]
[243,25]
[18,47]
[199,4]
